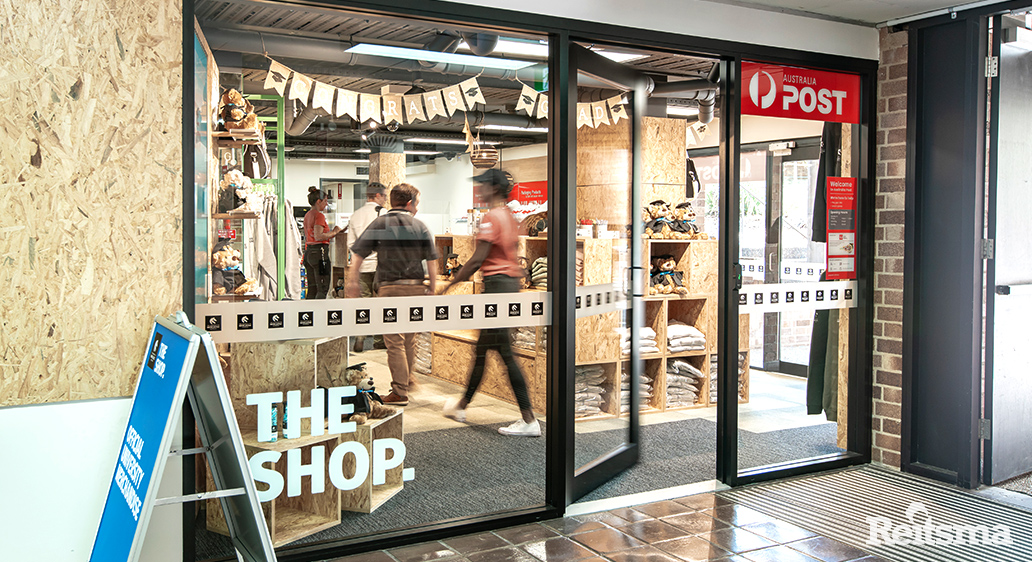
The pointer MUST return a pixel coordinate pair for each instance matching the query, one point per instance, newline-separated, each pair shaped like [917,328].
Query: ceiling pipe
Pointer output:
[481,44]
[444,42]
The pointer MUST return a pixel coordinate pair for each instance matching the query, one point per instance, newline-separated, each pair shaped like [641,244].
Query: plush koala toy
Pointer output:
[368,404]
[664,280]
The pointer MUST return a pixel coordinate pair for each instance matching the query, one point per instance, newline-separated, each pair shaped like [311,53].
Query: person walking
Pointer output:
[317,245]
[402,244]
[376,198]
[495,256]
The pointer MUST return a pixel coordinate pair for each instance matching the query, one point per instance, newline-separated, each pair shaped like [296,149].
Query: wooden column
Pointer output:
[387,168]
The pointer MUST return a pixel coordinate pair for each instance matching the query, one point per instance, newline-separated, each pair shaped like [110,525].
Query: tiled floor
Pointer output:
[695,528]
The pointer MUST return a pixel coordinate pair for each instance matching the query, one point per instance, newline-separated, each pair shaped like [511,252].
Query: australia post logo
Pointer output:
[800,93]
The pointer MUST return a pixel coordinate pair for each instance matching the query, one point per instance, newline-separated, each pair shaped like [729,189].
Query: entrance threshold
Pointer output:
[595,506]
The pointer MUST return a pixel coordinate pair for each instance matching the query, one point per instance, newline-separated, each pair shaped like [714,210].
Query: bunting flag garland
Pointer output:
[322,97]
[527,101]
[277,77]
[392,105]
[406,109]
[300,87]
[369,108]
[414,108]
[434,104]
[347,104]
[453,99]
[470,141]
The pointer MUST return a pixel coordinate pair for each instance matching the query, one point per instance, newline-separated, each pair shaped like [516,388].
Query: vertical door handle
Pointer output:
[738,276]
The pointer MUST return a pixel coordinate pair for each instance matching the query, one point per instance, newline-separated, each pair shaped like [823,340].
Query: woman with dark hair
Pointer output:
[317,246]
[495,256]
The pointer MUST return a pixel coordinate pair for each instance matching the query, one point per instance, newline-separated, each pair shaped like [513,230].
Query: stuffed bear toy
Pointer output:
[664,280]
[237,112]
[452,266]
[657,220]
[368,404]
[225,258]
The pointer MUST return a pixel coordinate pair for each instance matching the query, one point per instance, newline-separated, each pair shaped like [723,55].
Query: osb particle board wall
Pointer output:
[90,192]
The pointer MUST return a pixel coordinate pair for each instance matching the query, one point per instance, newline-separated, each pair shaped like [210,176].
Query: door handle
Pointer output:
[1003,289]
[738,276]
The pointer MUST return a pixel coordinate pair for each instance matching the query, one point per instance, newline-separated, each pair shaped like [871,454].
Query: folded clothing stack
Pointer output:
[539,273]
[742,358]
[524,337]
[645,386]
[423,359]
[589,390]
[682,337]
[647,344]
[683,383]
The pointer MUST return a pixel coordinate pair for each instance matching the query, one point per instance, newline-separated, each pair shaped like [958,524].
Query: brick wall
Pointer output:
[890,135]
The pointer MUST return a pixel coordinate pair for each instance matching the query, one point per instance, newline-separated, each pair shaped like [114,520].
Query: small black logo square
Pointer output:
[442,313]
[834,294]
[466,312]
[752,268]
[537,308]
[759,268]
[774,298]
[334,317]
[578,302]
[362,316]
[820,294]
[598,299]
[804,296]
[798,271]
[415,314]
[743,299]
[789,296]
[490,311]
[213,323]
[809,271]
[514,309]
[275,320]
[758,298]
[788,270]
[245,321]
[305,319]
[587,302]
[390,315]
[847,294]
[153,359]
[609,298]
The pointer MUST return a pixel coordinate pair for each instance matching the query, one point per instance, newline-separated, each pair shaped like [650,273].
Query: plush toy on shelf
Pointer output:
[238,113]
[368,404]
[657,220]
[664,280]
[452,266]
[225,258]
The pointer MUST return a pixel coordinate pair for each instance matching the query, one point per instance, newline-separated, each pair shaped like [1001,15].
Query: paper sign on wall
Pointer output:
[841,247]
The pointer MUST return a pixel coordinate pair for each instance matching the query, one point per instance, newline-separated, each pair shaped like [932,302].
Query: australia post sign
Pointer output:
[800,93]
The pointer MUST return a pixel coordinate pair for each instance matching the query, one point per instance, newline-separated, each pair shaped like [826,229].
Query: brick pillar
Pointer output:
[891,136]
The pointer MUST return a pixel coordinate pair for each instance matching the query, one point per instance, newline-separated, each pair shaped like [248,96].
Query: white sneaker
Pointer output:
[520,428]
[451,410]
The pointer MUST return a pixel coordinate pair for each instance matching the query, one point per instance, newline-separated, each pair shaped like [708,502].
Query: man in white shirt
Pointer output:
[376,197]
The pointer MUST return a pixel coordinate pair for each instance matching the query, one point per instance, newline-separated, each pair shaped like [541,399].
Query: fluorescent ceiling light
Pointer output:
[338,160]
[422,152]
[682,110]
[363,150]
[511,128]
[514,47]
[619,57]
[434,56]
[445,141]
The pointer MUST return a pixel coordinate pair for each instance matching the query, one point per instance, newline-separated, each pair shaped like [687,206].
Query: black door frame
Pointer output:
[562,185]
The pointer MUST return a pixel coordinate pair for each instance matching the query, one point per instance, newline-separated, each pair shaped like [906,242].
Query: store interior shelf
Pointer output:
[236,138]
[233,216]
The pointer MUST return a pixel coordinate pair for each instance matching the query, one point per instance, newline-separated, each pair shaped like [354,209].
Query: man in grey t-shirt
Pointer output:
[402,243]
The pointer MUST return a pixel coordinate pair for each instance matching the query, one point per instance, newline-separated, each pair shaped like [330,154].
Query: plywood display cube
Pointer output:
[367,497]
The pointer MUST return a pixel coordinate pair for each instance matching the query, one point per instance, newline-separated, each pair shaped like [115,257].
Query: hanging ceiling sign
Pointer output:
[800,93]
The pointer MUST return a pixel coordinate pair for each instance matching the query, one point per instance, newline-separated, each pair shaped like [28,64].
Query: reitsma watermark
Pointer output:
[884,531]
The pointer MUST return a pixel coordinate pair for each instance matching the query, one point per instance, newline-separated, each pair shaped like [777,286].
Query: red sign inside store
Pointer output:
[800,93]
[523,192]
[841,246]
[227,233]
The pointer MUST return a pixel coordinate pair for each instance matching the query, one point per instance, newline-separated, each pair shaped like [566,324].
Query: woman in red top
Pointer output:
[317,246]
[495,256]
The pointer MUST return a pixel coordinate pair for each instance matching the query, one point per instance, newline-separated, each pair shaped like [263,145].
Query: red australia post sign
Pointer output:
[800,93]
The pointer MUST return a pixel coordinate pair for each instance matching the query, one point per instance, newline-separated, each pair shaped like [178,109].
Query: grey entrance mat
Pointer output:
[938,522]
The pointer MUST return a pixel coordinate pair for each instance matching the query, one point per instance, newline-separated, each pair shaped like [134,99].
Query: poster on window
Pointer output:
[841,228]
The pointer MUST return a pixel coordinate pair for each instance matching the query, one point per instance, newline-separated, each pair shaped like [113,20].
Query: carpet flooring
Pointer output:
[474,470]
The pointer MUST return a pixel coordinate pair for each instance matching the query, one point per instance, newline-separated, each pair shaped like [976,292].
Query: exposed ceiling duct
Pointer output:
[481,44]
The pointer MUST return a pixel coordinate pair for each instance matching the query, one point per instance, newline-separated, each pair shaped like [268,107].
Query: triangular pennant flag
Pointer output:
[472,93]
[322,97]
[434,104]
[347,104]
[599,114]
[584,115]
[277,77]
[616,107]
[300,87]
[528,100]
[542,107]
[453,99]
[470,141]
[369,106]
[414,108]
[392,109]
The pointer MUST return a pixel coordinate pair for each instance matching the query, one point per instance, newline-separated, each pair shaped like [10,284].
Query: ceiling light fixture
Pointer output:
[445,141]
[435,56]
[682,110]
[618,56]
[338,160]
[512,128]
[536,49]
[362,150]
[422,152]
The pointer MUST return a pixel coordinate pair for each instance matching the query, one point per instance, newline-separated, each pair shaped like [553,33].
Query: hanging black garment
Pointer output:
[692,184]
[830,163]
